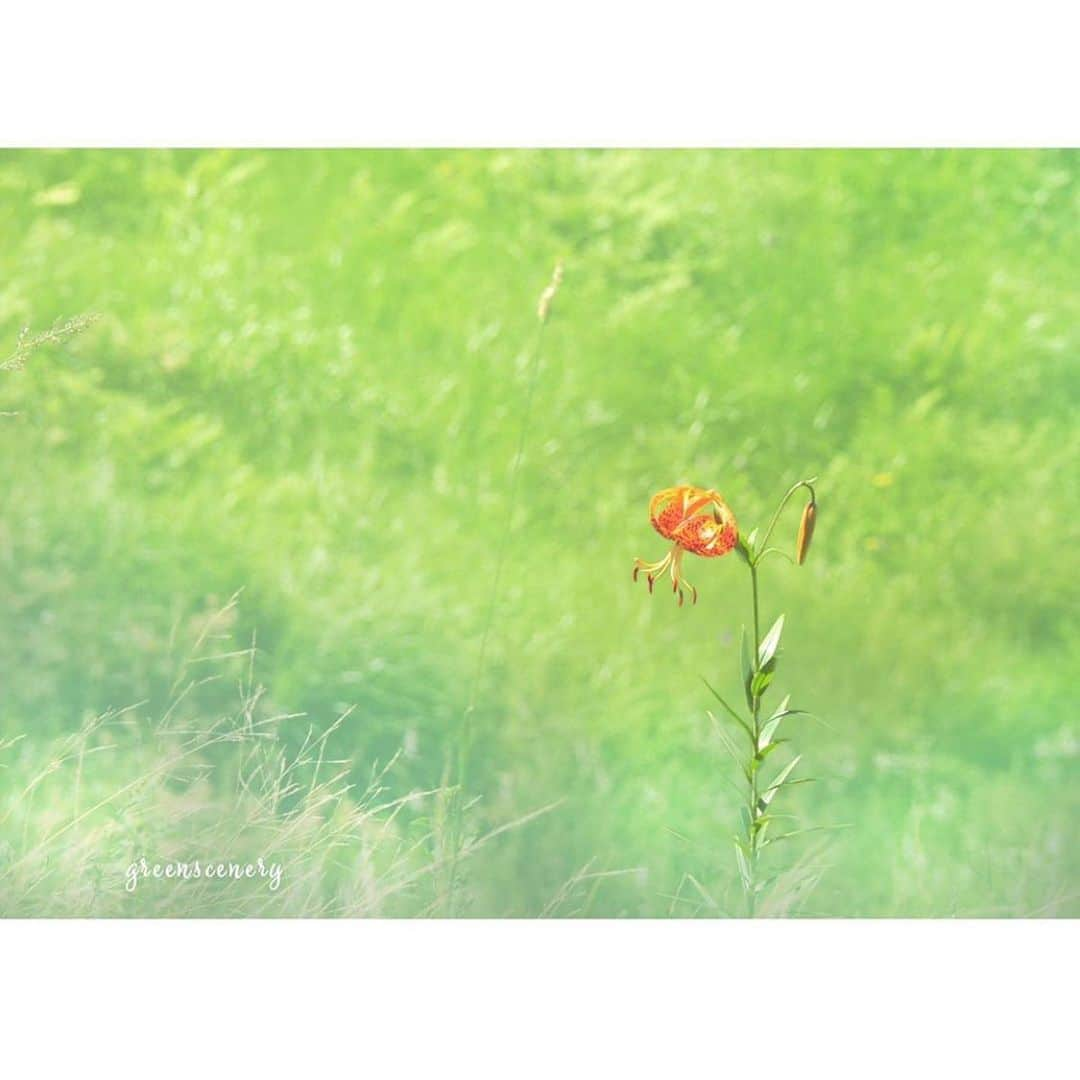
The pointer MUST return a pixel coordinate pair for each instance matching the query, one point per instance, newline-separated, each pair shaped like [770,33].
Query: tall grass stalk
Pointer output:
[455,777]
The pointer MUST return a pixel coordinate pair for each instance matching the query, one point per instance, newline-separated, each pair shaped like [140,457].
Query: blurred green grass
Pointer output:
[308,383]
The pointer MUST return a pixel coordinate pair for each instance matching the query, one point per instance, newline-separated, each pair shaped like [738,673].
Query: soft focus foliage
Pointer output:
[307,382]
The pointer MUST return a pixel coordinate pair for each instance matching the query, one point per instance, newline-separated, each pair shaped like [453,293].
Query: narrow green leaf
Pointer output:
[800,832]
[744,866]
[800,712]
[760,683]
[729,746]
[767,732]
[747,669]
[762,754]
[781,709]
[778,782]
[770,643]
[730,711]
[764,819]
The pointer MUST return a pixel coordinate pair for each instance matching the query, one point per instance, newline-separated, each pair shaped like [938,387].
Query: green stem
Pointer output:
[754,558]
[757,624]
[808,484]
[751,838]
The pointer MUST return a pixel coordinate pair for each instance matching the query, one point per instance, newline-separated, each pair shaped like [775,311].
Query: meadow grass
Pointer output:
[307,383]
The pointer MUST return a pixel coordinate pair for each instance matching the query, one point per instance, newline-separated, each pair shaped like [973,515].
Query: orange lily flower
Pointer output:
[695,520]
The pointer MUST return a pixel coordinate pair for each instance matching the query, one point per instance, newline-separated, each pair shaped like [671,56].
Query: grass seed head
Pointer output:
[543,308]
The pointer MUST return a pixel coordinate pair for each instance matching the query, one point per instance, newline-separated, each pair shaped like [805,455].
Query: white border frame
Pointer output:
[540,999]
[550,73]
[525,999]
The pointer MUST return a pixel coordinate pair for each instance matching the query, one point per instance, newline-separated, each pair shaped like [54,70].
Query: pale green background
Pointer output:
[308,382]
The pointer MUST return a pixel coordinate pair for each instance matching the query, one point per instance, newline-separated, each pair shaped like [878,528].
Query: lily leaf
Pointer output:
[764,819]
[761,755]
[778,782]
[781,710]
[770,643]
[747,669]
[744,866]
[803,832]
[759,683]
[728,745]
[767,732]
[729,710]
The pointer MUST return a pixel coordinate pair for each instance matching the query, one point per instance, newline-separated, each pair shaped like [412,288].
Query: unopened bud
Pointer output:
[806,531]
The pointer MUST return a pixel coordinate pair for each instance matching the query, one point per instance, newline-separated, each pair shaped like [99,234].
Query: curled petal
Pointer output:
[704,535]
[667,509]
